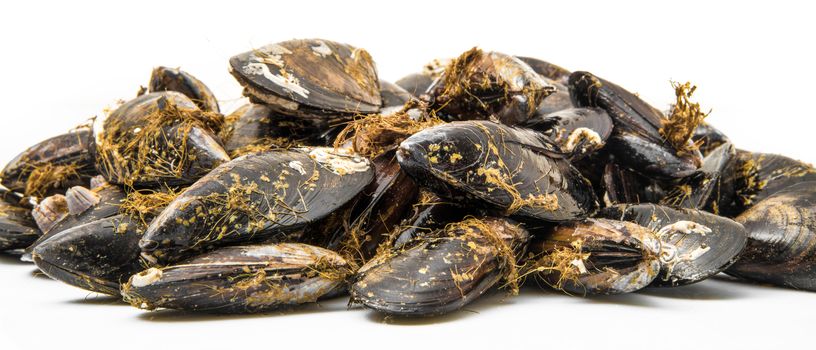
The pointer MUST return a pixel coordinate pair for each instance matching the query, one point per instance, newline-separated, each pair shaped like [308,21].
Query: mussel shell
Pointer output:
[547,69]
[699,254]
[416,84]
[557,101]
[497,167]
[781,235]
[69,149]
[168,164]
[174,79]
[257,197]
[393,95]
[771,173]
[481,85]
[96,256]
[378,211]
[17,228]
[429,217]
[577,131]
[621,185]
[313,74]
[708,137]
[439,273]
[597,257]
[240,279]
[708,187]
[636,140]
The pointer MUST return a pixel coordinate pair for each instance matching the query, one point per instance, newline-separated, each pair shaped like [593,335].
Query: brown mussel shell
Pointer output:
[257,197]
[596,257]
[314,75]
[174,79]
[17,227]
[781,236]
[547,69]
[441,273]
[159,138]
[52,166]
[695,244]
[495,166]
[636,141]
[240,279]
[393,95]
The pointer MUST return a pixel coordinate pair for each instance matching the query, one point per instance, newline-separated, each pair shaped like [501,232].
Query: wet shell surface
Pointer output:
[240,279]
[441,273]
[576,131]
[17,227]
[159,137]
[514,170]
[695,244]
[256,197]
[781,239]
[174,79]
[596,256]
[313,74]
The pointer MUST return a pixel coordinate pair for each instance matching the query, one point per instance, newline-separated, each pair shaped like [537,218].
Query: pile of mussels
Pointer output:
[483,171]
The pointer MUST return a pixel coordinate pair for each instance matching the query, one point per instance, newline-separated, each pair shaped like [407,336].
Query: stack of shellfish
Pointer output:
[486,171]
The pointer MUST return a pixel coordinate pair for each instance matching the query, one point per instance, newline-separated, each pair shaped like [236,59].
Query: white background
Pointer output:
[754,63]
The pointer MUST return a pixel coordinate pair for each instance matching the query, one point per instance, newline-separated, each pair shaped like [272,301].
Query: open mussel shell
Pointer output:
[781,235]
[478,85]
[576,131]
[595,257]
[96,256]
[393,95]
[174,79]
[695,244]
[636,140]
[51,166]
[441,273]
[17,227]
[159,138]
[495,166]
[378,211]
[256,197]
[240,279]
[314,75]
[710,186]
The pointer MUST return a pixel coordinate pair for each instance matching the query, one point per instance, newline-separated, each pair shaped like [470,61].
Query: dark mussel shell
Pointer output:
[430,214]
[377,212]
[781,247]
[576,131]
[596,257]
[159,138]
[393,95]
[636,140]
[481,85]
[621,185]
[314,75]
[174,79]
[708,137]
[695,244]
[441,273]
[240,279]
[52,166]
[60,219]
[498,167]
[547,69]
[557,101]
[17,227]
[96,256]
[257,197]
[710,185]
[418,83]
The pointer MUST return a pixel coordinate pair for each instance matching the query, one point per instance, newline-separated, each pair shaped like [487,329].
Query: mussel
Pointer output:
[442,272]
[781,235]
[257,197]
[240,279]
[159,138]
[17,227]
[595,256]
[577,131]
[393,95]
[481,85]
[174,79]
[315,77]
[513,170]
[695,244]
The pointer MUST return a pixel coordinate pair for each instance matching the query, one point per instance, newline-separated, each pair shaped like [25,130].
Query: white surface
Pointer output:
[754,64]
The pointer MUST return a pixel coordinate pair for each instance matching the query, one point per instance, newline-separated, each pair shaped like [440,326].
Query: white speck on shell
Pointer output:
[146,277]
[297,166]
[582,134]
[339,161]
[322,50]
